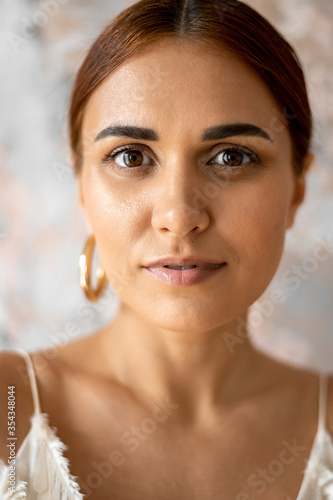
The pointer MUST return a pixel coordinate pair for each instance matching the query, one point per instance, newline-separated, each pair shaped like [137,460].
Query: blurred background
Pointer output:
[42,228]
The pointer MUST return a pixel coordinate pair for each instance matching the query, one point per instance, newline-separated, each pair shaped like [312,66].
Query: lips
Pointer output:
[185,268]
[189,262]
[185,277]
[181,268]
[184,271]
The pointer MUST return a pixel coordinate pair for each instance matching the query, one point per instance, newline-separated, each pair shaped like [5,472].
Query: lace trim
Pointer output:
[20,492]
[318,472]
[52,467]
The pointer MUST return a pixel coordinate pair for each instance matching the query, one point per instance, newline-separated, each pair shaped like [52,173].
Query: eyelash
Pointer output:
[254,158]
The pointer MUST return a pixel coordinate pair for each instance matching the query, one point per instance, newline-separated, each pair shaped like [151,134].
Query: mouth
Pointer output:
[185,275]
[183,262]
[184,268]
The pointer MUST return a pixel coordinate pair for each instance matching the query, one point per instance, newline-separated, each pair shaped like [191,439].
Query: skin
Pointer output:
[179,90]
[167,342]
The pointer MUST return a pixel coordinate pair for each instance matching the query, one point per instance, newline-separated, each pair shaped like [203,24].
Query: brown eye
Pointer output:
[131,158]
[234,157]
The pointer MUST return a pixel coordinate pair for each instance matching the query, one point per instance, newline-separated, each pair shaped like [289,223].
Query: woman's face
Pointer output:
[193,186]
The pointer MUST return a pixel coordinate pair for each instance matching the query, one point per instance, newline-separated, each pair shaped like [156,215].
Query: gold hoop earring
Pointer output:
[85,264]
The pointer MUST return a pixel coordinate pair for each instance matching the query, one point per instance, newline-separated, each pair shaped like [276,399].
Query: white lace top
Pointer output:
[42,472]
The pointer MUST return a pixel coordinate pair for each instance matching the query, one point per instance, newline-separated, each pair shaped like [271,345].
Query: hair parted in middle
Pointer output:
[224,24]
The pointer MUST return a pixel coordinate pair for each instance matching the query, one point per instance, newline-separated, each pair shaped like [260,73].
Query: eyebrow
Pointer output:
[144,134]
[211,134]
[233,129]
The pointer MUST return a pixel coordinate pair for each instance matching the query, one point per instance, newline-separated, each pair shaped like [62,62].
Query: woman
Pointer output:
[190,129]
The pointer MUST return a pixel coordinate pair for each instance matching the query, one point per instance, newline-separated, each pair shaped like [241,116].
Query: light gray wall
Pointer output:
[42,229]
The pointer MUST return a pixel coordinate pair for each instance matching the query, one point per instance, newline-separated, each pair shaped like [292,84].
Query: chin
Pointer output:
[187,319]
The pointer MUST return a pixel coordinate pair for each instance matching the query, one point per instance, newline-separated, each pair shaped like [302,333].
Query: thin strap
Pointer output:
[32,379]
[322,400]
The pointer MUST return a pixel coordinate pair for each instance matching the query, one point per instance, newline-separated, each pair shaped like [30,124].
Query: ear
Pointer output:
[299,190]
[81,199]
[80,191]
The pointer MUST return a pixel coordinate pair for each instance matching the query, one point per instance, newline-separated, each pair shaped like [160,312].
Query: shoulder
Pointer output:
[13,373]
[14,387]
[328,395]
[303,384]
[50,373]
[312,380]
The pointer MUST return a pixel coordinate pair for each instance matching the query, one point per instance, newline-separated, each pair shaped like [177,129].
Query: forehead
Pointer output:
[176,82]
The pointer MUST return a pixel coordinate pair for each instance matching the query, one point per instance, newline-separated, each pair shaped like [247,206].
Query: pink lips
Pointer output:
[186,277]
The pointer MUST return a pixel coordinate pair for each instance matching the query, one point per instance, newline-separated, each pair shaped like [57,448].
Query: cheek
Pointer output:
[111,212]
[259,227]
[117,221]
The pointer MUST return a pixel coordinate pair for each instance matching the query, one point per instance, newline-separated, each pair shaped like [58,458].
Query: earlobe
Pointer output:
[299,190]
[80,192]
[82,203]
[72,159]
[308,161]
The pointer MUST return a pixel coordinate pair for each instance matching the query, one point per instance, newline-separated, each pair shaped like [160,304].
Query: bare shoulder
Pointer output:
[59,369]
[51,367]
[311,379]
[14,387]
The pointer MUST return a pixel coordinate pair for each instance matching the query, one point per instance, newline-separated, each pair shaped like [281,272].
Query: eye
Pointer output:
[130,158]
[234,157]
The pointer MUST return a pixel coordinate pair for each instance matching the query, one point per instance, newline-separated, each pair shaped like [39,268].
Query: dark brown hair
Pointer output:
[226,24]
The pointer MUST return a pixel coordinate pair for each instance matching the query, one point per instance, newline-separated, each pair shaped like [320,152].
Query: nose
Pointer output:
[176,209]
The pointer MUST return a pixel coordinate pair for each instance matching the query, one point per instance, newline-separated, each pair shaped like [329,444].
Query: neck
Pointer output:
[198,370]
